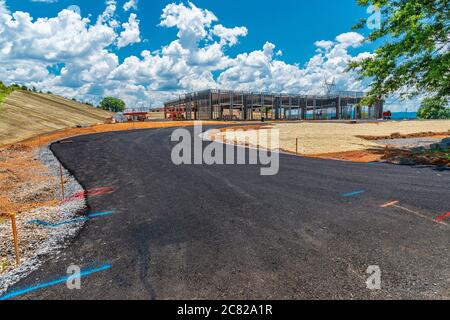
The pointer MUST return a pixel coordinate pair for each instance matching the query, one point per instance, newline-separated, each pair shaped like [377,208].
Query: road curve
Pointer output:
[226,232]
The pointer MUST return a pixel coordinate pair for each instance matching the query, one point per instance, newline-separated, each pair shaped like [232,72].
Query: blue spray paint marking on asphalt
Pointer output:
[56,225]
[352,194]
[83,273]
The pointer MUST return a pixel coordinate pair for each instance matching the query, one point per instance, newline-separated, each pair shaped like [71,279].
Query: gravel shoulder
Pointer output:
[34,198]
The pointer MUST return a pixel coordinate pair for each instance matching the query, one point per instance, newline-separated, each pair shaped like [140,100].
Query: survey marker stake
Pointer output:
[15,237]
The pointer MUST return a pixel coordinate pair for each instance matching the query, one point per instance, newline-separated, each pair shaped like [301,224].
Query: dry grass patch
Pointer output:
[26,114]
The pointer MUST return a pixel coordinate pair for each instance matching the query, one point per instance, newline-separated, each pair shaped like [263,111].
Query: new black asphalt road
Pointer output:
[226,232]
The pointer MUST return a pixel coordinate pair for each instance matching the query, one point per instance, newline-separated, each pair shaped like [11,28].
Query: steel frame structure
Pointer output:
[247,106]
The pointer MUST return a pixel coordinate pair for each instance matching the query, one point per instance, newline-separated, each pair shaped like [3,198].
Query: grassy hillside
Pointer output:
[26,114]
[6,90]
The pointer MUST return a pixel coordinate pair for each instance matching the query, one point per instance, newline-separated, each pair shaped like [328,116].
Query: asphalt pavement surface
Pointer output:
[226,232]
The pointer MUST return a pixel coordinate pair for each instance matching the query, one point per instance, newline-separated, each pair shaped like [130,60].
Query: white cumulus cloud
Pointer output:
[350,39]
[74,56]
[132,4]
[131,33]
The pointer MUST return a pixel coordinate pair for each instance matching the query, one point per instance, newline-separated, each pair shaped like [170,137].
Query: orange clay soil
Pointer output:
[354,156]
[72,132]
[24,182]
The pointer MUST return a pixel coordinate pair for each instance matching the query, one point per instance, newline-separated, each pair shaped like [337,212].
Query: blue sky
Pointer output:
[147,51]
[294,25]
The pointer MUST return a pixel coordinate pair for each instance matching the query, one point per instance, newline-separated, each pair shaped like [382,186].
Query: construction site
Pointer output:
[248,106]
[70,177]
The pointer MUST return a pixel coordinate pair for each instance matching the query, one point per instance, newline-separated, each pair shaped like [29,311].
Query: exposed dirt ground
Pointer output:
[346,141]
[25,185]
[24,182]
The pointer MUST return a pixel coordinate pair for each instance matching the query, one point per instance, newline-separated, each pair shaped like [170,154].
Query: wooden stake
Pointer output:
[15,237]
[62,180]
[296,146]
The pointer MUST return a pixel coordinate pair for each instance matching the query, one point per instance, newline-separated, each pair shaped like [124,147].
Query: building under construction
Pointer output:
[237,105]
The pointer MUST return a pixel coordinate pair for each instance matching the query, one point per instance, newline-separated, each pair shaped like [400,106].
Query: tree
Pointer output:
[112,104]
[415,57]
[432,109]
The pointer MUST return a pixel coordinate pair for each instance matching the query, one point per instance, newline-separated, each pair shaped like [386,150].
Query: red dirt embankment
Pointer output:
[354,156]
[45,139]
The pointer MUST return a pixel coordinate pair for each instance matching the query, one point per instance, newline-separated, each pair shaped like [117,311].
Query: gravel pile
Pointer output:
[39,243]
[410,143]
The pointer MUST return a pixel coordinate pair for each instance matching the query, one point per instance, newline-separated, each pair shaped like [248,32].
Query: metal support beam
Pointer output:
[290,108]
[244,108]
[231,106]
[212,104]
[314,108]
[339,109]
[211,109]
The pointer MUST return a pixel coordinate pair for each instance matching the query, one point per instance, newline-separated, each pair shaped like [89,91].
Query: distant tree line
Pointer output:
[13,87]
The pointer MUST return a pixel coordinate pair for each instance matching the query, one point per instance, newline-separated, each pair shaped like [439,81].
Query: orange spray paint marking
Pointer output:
[443,217]
[438,220]
[389,204]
